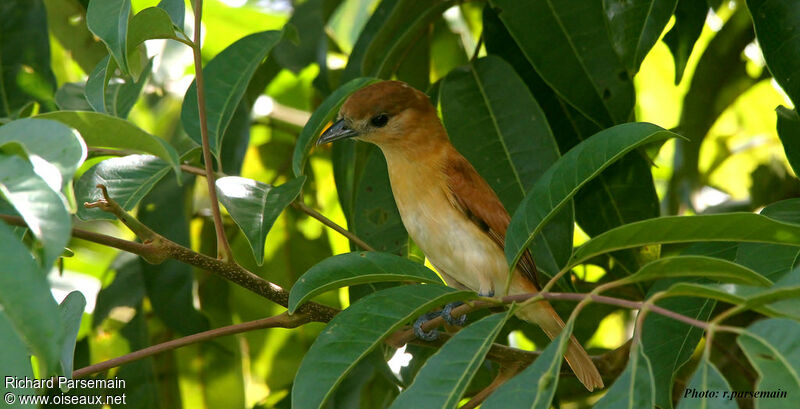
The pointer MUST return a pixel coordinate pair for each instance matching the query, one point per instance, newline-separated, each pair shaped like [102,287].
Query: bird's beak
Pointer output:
[339,130]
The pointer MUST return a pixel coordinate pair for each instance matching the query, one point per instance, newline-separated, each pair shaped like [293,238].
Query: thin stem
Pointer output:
[223,247]
[282,321]
[330,223]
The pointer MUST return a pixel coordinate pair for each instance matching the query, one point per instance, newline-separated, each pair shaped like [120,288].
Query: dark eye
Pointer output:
[379,121]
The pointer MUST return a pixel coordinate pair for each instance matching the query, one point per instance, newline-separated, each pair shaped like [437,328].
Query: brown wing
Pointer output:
[473,196]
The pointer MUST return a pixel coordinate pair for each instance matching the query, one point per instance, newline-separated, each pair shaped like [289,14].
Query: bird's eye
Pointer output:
[379,121]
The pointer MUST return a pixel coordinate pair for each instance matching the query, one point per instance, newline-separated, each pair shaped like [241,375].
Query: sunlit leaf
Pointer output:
[255,206]
[71,311]
[445,376]
[108,20]
[357,268]
[356,331]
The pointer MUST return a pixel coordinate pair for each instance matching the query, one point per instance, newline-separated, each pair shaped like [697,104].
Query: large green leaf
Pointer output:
[176,10]
[108,20]
[634,388]
[707,381]
[771,346]
[698,266]
[326,111]
[690,16]
[745,227]
[255,206]
[127,178]
[84,48]
[357,268]
[635,26]
[14,359]
[226,77]
[105,131]
[376,22]
[772,260]
[356,331]
[95,88]
[560,183]
[543,373]
[493,120]
[789,132]
[776,23]
[57,144]
[556,37]
[150,23]
[71,311]
[25,73]
[27,303]
[446,374]
[44,209]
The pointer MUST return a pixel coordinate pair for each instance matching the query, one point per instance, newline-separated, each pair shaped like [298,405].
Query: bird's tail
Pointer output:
[543,315]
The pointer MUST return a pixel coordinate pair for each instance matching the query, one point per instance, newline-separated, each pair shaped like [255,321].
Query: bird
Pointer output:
[448,209]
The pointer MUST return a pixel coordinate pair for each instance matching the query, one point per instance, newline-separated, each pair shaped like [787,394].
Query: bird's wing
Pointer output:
[470,193]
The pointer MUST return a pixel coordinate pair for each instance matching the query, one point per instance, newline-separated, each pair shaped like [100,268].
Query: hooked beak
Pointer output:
[339,130]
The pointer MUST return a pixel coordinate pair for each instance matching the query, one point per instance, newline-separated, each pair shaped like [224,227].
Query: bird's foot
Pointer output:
[431,335]
[447,314]
[487,294]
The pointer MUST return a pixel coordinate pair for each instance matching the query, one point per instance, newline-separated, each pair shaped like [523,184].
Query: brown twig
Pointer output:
[282,321]
[224,251]
[505,374]
[328,222]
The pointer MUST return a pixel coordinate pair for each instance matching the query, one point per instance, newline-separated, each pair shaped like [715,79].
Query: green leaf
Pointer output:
[51,141]
[127,178]
[226,77]
[776,23]
[124,96]
[706,379]
[27,302]
[326,111]
[71,312]
[698,266]
[309,19]
[560,183]
[105,131]
[44,209]
[95,89]
[771,346]
[543,373]
[690,16]
[773,261]
[356,331]
[148,24]
[635,26]
[25,73]
[745,227]
[14,359]
[83,47]
[108,20]
[494,121]
[255,206]
[176,10]
[376,22]
[445,376]
[555,36]
[789,132]
[634,388]
[356,268]
[398,33]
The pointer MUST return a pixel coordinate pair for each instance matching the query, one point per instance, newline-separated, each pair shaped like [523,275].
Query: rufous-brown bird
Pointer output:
[448,209]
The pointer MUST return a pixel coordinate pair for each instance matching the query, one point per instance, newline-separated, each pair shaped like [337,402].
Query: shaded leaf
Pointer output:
[690,16]
[789,132]
[27,303]
[44,209]
[634,388]
[14,359]
[745,227]
[556,38]
[560,183]
[356,331]
[324,113]
[84,48]
[255,206]
[705,379]
[544,373]
[127,178]
[771,346]
[445,376]
[226,77]
[635,26]
[776,23]
[71,311]
[176,10]
[698,266]
[357,268]
[108,20]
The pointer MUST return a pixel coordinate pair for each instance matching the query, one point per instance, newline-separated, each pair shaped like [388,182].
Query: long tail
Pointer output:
[543,315]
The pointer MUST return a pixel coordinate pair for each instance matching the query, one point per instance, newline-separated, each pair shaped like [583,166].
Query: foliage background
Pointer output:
[723,102]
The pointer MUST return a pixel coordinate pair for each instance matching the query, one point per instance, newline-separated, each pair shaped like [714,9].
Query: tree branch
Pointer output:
[298,204]
[224,251]
[282,321]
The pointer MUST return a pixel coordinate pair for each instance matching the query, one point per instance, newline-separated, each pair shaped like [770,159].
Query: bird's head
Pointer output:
[388,114]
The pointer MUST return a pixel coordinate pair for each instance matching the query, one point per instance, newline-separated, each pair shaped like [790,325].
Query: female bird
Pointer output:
[447,208]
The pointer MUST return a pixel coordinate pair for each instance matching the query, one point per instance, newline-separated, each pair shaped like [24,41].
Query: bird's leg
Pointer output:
[447,314]
[431,335]
[487,294]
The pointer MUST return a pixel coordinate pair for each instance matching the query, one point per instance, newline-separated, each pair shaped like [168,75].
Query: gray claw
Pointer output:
[431,335]
[447,314]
